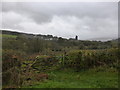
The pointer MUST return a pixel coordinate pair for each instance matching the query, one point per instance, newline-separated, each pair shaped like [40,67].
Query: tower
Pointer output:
[76,37]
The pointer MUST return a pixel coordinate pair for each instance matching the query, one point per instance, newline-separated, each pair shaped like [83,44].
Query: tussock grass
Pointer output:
[85,79]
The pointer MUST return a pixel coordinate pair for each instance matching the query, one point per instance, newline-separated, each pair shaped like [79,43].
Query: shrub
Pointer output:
[11,68]
[45,63]
[85,59]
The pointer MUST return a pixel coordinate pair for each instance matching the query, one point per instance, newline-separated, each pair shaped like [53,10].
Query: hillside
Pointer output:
[62,42]
[45,37]
[45,61]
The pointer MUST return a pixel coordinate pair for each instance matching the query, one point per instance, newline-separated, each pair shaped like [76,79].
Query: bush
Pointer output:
[11,68]
[11,58]
[85,59]
[45,63]
[12,78]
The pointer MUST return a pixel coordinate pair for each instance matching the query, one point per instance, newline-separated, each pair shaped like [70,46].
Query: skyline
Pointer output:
[89,21]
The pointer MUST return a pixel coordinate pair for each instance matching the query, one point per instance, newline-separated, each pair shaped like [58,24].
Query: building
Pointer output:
[73,39]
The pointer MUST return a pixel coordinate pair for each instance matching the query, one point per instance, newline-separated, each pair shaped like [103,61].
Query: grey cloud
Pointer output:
[41,12]
[87,20]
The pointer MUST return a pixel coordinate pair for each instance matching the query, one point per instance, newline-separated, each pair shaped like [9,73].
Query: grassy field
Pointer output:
[84,79]
[8,36]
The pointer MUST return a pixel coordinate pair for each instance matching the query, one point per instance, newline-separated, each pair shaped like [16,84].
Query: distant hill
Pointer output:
[41,43]
[46,37]
[27,35]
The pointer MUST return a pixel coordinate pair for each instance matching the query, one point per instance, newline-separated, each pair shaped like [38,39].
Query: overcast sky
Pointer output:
[88,20]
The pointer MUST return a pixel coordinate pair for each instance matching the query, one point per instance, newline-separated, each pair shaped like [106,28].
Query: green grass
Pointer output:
[85,79]
[7,36]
